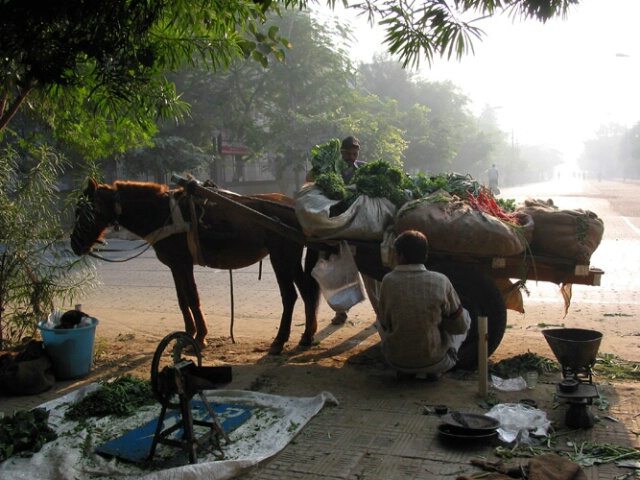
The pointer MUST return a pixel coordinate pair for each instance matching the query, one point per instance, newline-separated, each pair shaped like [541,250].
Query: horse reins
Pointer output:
[158,235]
[117,208]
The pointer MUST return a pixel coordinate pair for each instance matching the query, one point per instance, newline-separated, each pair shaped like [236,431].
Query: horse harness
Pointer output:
[179,225]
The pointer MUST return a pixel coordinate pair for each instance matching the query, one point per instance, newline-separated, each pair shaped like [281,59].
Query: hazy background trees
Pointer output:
[314,94]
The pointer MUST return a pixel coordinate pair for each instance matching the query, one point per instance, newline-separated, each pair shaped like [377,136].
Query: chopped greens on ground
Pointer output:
[120,397]
[611,367]
[25,432]
[522,363]
[584,454]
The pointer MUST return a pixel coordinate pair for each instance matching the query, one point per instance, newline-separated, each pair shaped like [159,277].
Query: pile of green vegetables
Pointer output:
[525,362]
[326,158]
[120,397]
[25,432]
[380,179]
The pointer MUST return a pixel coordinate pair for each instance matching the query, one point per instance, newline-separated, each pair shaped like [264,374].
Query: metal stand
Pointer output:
[579,415]
[184,380]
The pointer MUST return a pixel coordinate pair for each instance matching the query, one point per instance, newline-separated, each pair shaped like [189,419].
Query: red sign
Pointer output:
[233,148]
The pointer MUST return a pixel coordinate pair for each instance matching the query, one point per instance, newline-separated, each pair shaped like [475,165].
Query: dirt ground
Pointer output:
[136,307]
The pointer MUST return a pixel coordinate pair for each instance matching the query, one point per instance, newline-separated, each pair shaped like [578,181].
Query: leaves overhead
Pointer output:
[119,51]
[439,28]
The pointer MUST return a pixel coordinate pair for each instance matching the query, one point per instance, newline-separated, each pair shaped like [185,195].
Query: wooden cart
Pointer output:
[487,285]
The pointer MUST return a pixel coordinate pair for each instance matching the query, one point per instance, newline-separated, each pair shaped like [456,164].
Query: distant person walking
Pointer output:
[492,176]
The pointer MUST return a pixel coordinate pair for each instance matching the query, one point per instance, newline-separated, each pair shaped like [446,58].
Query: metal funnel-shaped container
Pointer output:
[575,348]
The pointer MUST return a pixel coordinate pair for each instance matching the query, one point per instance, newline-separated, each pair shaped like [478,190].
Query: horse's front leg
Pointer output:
[189,302]
[310,292]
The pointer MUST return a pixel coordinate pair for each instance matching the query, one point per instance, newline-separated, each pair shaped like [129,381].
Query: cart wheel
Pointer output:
[481,296]
[173,349]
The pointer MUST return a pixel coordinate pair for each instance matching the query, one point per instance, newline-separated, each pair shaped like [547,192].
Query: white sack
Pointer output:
[366,219]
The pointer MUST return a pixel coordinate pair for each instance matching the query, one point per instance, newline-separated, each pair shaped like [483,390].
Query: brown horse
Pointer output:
[222,239]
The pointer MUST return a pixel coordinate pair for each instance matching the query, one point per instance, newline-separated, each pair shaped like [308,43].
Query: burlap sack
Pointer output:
[572,234]
[452,225]
[27,373]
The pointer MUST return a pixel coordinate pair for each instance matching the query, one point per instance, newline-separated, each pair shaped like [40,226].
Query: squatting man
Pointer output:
[421,321]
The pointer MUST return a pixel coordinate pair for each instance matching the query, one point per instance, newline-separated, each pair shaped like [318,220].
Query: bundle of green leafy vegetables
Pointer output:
[25,432]
[326,158]
[380,179]
[120,397]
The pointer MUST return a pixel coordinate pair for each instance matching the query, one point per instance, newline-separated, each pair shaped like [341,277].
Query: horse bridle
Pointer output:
[117,209]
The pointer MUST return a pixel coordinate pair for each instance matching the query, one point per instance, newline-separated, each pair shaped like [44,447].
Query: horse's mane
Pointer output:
[140,187]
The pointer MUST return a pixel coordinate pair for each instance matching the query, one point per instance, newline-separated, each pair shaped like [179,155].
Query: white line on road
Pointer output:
[633,227]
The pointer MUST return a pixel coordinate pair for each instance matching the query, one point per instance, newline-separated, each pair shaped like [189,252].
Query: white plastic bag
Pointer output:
[509,384]
[339,279]
[517,420]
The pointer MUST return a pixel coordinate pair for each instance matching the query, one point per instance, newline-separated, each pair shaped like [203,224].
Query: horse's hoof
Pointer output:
[339,318]
[276,348]
[306,341]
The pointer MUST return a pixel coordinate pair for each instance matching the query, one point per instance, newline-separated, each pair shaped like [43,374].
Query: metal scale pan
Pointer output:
[576,350]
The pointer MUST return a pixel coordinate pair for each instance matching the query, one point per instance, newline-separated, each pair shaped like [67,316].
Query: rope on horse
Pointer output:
[192,235]
[233,340]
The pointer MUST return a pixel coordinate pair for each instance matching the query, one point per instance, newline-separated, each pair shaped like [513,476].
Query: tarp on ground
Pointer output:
[274,422]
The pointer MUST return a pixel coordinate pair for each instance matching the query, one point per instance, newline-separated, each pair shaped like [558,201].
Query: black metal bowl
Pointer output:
[450,432]
[568,385]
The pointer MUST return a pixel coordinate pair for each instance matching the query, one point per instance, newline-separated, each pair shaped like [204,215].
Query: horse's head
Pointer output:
[96,210]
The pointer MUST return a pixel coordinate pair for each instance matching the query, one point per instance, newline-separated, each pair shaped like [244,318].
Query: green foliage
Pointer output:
[432,28]
[326,158]
[507,204]
[612,367]
[452,183]
[520,364]
[380,179]
[110,60]
[35,268]
[25,432]
[120,397]
[332,185]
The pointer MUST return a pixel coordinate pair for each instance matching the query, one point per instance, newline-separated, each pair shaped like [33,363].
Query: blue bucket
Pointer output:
[69,349]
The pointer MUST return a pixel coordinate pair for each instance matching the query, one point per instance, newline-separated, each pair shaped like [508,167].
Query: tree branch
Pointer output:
[6,116]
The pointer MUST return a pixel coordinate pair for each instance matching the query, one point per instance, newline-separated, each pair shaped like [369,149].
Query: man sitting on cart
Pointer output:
[421,321]
[349,151]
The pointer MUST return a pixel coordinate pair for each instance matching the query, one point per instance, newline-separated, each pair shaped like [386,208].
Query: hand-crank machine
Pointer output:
[177,375]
